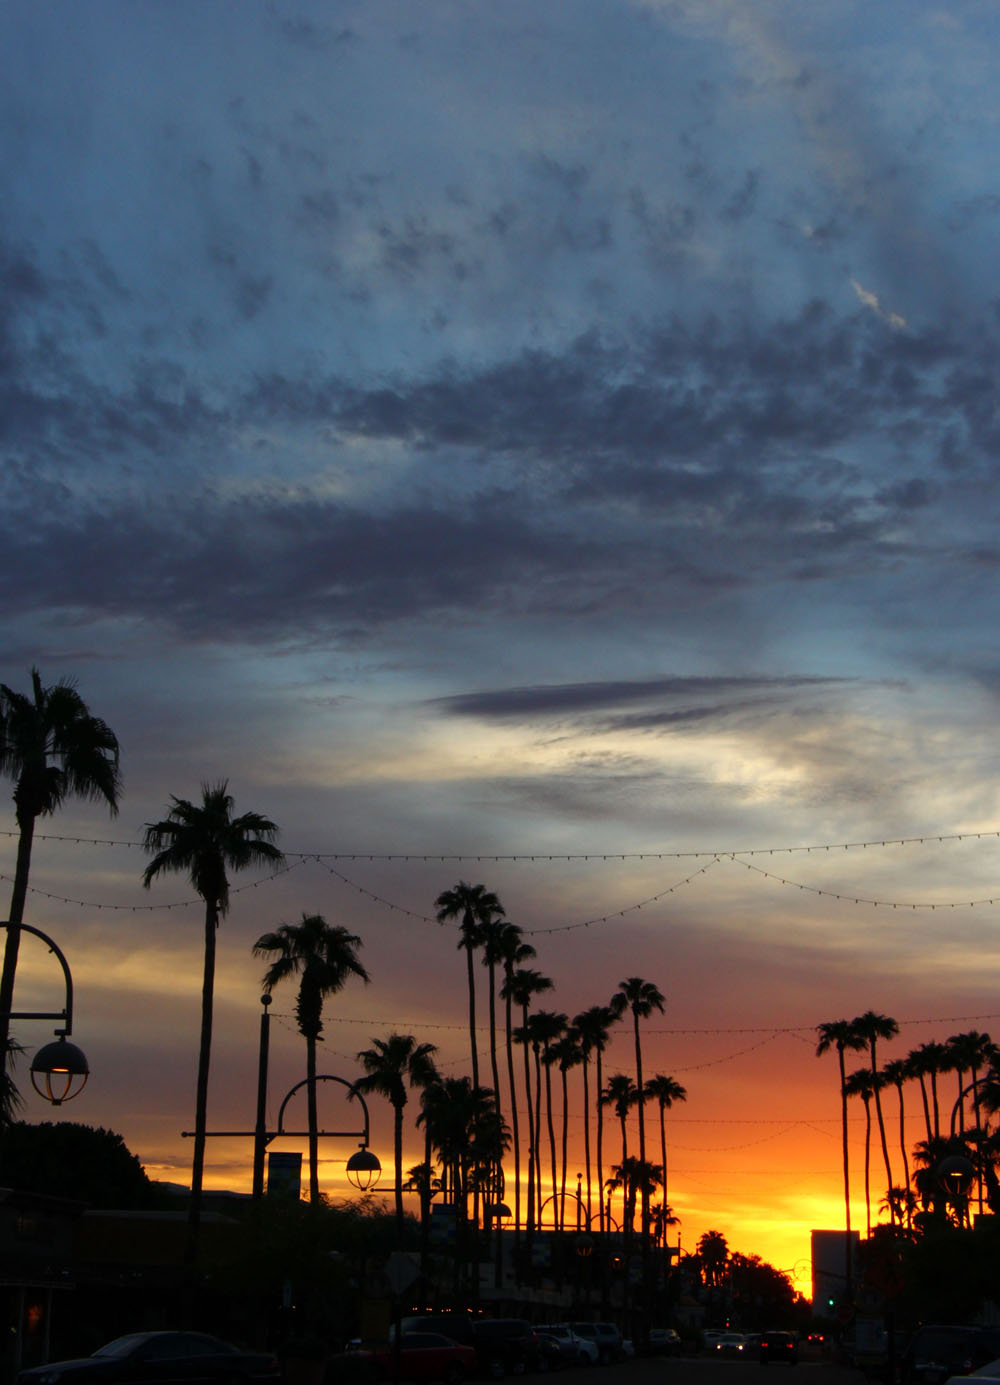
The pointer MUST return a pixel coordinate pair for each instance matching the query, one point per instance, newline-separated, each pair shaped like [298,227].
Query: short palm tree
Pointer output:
[873,1027]
[53,748]
[203,841]
[594,1026]
[862,1084]
[389,1064]
[475,905]
[566,1051]
[323,956]
[513,951]
[841,1035]
[928,1062]
[620,1092]
[642,998]
[545,1027]
[664,1091]
[521,988]
[894,1074]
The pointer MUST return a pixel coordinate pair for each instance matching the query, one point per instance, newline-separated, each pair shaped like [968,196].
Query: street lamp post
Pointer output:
[59,1070]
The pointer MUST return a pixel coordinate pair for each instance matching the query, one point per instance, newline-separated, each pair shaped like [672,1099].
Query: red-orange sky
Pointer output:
[748,965]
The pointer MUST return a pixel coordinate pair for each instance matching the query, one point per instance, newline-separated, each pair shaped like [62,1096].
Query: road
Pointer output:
[658,1370]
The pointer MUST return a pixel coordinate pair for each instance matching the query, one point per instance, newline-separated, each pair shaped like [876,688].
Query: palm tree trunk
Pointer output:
[641,1101]
[848,1276]
[565,1135]
[600,1143]
[538,1136]
[201,1093]
[663,1158]
[514,1127]
[586,1130]
[472,1014]
[313,1119]
[876,1082]
[552,1140]
[15,916]
[868,1167]
[531,1130]
[397,1152]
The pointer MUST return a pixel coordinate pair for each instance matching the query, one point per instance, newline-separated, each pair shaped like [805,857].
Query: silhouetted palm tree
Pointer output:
[873,1027]
[544,1028]
[389,1064]
[862,1084]
[633,1176]
[620,1093]
[513,951]
[323,956]
[895,1074]
[567,1053]
[713,1252]
[10,1097]
[203,841]
[475,905]
[594,1026]
[922,1065]
[664,1091]
[642,998]
[53,748]
[522,987]
[842,1036]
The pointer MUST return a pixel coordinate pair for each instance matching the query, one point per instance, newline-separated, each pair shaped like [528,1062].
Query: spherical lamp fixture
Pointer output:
[364,1169]
[59,1071]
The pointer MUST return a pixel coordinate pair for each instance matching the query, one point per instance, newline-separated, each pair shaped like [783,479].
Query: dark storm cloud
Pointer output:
[724,695]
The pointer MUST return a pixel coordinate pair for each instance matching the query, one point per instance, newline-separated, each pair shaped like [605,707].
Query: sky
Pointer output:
[547,446]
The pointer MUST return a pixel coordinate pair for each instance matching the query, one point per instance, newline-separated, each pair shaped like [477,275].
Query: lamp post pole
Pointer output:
[61,1060]
[260,1132]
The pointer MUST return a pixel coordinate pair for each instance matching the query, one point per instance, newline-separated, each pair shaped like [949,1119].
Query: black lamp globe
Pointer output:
[59,1071]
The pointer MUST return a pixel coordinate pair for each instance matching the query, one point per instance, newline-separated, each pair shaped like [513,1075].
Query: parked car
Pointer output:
[554,1352]
[989,1373]
[503,1346]
[730,1344]
[584,1349]
[664,1341]
[607,1337]
[779,1346]
[422,1356]
[936,1352]
[168,1358]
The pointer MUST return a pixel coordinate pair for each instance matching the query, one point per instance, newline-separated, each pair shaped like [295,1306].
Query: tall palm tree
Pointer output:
[594,1026]
[544,1028]
[664,1091]
[642,998]
[389,1064]
[919,1065]
[894,1074]
[53,748]
[323,956]
[873,1027]
[475,905]
[522,987]
[204,840]
[971,1052]
[567,1053]
[513,951]
[862,1084]
[842,1036]
[620,1093]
